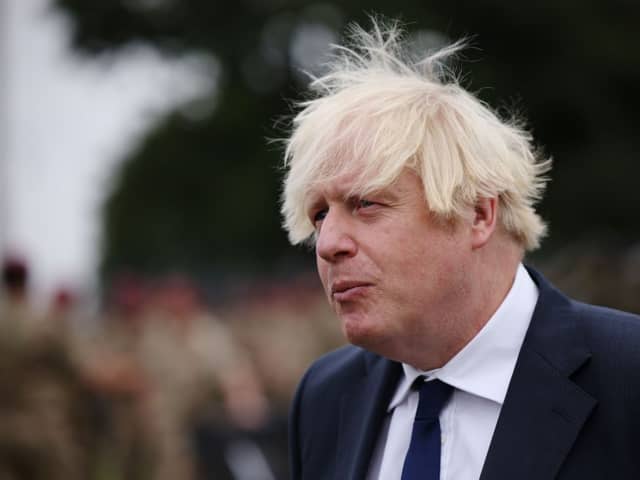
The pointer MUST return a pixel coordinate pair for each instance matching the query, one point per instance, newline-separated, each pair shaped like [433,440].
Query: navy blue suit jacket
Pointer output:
[572,410]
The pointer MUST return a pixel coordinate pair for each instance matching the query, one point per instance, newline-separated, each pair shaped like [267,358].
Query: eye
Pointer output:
[364,203]
[365,207]
[318,216]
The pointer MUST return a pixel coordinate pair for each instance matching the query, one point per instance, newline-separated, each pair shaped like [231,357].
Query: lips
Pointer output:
[345,290]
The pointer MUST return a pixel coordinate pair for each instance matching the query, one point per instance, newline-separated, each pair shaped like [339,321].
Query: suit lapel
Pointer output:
[362,412]
[544,409]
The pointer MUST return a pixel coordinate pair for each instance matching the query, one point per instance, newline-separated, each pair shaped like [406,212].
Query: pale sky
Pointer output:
[66,124]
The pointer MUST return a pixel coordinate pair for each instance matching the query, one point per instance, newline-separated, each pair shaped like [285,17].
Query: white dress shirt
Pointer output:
[480,373]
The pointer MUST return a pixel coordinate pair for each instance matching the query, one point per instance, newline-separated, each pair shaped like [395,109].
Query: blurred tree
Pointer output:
[201,192]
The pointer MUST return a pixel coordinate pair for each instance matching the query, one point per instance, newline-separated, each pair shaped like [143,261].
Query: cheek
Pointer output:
[418,265]
[322,268]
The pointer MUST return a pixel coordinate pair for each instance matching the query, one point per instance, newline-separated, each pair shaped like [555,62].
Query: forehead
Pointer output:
[344,185]
[354,184]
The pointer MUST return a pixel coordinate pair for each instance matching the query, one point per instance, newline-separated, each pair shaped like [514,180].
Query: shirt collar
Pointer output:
[484,366]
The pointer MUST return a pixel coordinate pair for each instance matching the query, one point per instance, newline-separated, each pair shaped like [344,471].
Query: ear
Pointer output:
[484,221]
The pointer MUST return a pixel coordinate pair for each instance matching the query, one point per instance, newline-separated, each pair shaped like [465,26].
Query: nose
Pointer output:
[335,239]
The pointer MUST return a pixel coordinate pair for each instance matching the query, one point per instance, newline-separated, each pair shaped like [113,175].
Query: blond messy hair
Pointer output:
[378,110]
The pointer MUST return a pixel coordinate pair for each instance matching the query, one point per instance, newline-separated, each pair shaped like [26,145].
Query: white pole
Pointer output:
[4,125]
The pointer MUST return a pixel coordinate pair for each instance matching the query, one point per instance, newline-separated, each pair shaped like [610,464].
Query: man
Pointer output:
[464,364]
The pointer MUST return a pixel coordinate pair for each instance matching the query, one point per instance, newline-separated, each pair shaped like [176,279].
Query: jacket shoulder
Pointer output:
[335,369]
[610,333]
[315,410]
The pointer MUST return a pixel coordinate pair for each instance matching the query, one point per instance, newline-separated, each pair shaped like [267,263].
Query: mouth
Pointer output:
[347,290]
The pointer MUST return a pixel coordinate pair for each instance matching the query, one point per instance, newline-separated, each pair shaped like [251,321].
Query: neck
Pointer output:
[490,278]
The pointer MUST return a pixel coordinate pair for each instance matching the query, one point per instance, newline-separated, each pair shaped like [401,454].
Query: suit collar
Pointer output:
[362,413]
[544,409]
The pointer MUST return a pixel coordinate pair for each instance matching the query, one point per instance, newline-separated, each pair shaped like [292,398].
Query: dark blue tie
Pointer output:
[423,458]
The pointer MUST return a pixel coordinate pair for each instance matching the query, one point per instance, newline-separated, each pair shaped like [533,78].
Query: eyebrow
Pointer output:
[382,193]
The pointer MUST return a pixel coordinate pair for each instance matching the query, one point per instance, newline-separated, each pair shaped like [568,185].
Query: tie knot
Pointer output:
[433,396]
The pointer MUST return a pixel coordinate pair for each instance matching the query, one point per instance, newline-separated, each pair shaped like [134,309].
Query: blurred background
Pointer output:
[154,321]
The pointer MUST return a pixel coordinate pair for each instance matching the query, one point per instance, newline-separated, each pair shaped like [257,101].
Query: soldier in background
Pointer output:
[111,366]
[18,320]
[198,374]
[43,399]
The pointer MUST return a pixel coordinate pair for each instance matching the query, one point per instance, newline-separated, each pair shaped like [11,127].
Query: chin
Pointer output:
[362,331]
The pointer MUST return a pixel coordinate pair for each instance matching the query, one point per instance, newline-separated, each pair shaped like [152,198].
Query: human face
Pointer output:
[392,271]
